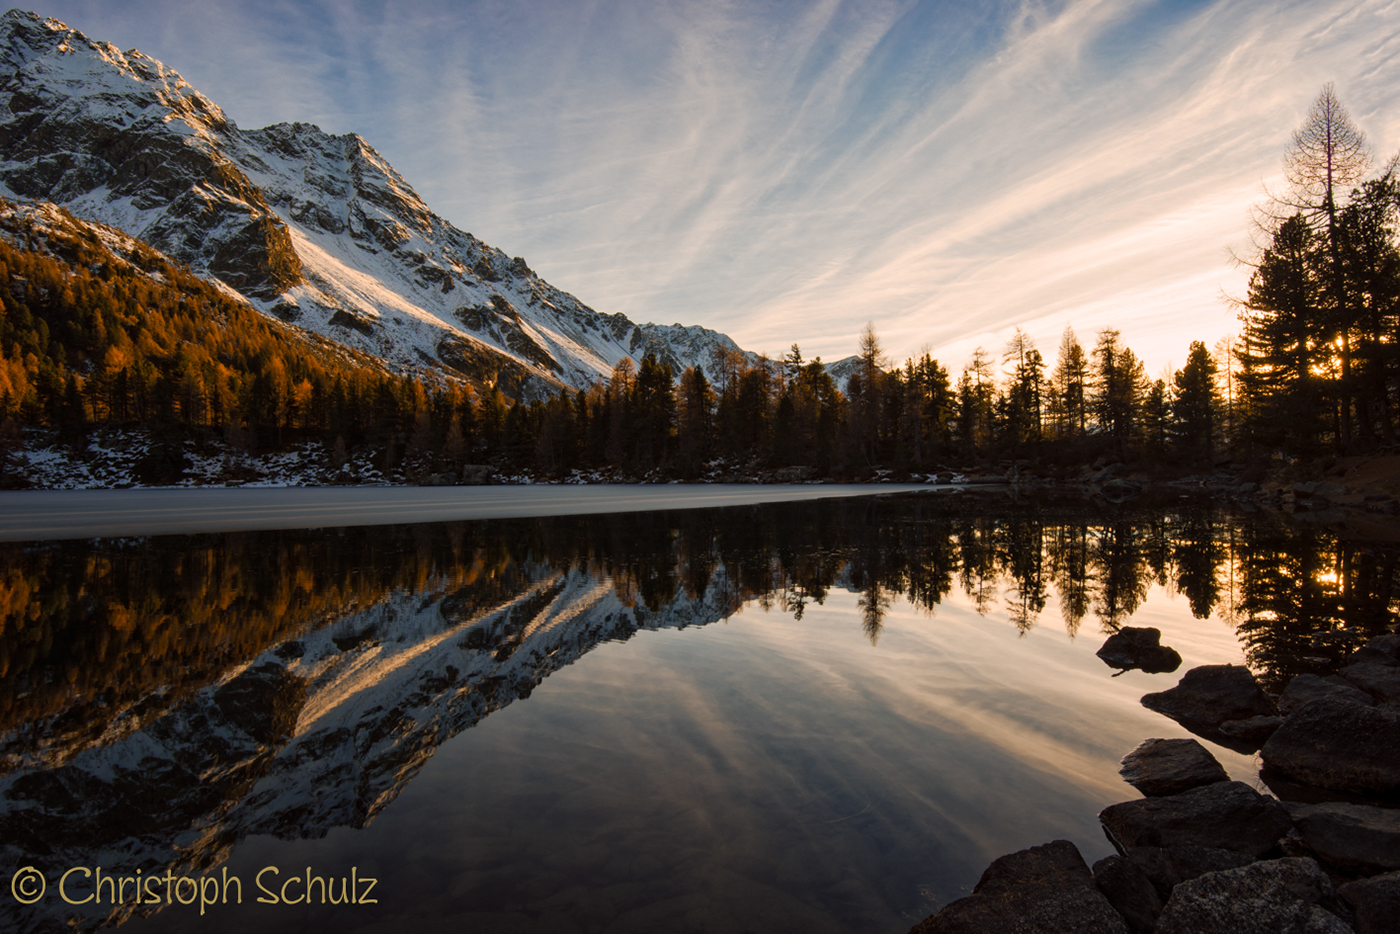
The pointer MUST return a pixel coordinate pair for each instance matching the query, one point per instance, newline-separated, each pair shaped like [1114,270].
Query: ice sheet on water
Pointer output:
[56,514]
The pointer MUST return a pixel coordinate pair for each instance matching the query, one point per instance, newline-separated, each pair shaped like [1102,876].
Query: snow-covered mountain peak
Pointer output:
[316,229]
[98,73]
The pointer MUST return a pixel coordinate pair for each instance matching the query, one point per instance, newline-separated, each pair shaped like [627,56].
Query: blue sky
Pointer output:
[787,171]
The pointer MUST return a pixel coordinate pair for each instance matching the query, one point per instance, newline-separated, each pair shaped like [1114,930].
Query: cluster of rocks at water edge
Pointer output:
[1199,853]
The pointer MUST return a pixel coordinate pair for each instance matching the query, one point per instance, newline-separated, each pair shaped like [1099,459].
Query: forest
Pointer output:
[91,340]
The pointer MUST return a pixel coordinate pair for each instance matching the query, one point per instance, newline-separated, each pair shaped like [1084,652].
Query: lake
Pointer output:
[816,715]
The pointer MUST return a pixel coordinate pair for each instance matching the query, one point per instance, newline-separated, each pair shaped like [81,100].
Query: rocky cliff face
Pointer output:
[120,137]
[318,230]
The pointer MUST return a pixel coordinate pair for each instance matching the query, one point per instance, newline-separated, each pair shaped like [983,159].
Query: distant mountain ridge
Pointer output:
[315,229]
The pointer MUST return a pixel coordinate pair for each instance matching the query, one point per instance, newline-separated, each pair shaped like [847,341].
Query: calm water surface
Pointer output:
[823,716]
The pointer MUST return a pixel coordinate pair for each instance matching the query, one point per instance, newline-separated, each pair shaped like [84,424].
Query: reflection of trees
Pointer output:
[977,571]
[90,627]
[1122,574]
[874,602]
[932,562]
[1024,557]
[1069,567]
[1306,598]
[1198,553]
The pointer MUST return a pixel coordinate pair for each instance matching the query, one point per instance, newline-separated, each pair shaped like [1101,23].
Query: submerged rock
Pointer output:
[1354,837]
[1335,743]
[1262,898]
[1170,766]
[1224,815]
[1046,889]
[1139,647]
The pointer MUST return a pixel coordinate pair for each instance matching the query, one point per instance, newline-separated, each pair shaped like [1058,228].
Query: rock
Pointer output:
[1334,743]
[1170,766]
[1379,680]
[1330,490]
[794,474]
[1117,490]
[1046,889]
[1169,866]
[1133,647]
[1304,688]
[1384,650]
[1374,902]
[263,702]
[1262,898]
[1357,838]
[477,473]
[1255,730]
[1224,815]
[1210,695]
[1130,892]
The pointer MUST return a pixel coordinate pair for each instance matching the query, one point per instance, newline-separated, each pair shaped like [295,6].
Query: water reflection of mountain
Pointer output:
[163,698]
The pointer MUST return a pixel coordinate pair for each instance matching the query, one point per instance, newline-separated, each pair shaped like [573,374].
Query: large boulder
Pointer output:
[1334,743]
[1208,697]
[1383,650]
[1269,897]
[1225,815]
[1141,648]
[1356,838]
[1169,866]
[1309,687]
[1380,681]
[1170,766]
[1374,903]
[1211,694]
[1254,732]
[1130,892]
[1046,889]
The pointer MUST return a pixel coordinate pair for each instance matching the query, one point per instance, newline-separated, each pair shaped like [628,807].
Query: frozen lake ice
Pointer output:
[56,514]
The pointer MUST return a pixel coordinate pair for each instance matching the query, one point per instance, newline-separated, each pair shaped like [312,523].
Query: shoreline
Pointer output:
[1199,853]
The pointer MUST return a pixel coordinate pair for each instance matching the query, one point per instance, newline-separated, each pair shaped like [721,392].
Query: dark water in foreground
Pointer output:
[823,716]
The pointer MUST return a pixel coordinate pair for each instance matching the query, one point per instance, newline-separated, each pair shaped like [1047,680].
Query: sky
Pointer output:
[789,171]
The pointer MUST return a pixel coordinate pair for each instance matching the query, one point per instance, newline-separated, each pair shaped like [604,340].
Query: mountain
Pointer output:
[314,229]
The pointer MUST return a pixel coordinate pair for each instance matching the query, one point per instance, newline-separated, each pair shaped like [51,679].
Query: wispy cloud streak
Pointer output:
[786,172]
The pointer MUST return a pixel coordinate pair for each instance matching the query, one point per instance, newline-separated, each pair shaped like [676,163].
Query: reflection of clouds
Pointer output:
[1044,701]
[947,170]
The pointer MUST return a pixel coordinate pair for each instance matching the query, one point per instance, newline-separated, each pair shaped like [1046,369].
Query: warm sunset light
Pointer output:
[947,170]
[597,466]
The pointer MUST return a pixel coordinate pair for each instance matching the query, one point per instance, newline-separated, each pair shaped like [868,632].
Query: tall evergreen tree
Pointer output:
[1196,402]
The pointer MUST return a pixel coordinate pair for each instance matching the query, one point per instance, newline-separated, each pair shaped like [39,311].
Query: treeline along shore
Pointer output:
[107,344]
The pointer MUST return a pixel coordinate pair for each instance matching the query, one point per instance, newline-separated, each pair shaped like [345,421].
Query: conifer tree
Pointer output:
[1195,402]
